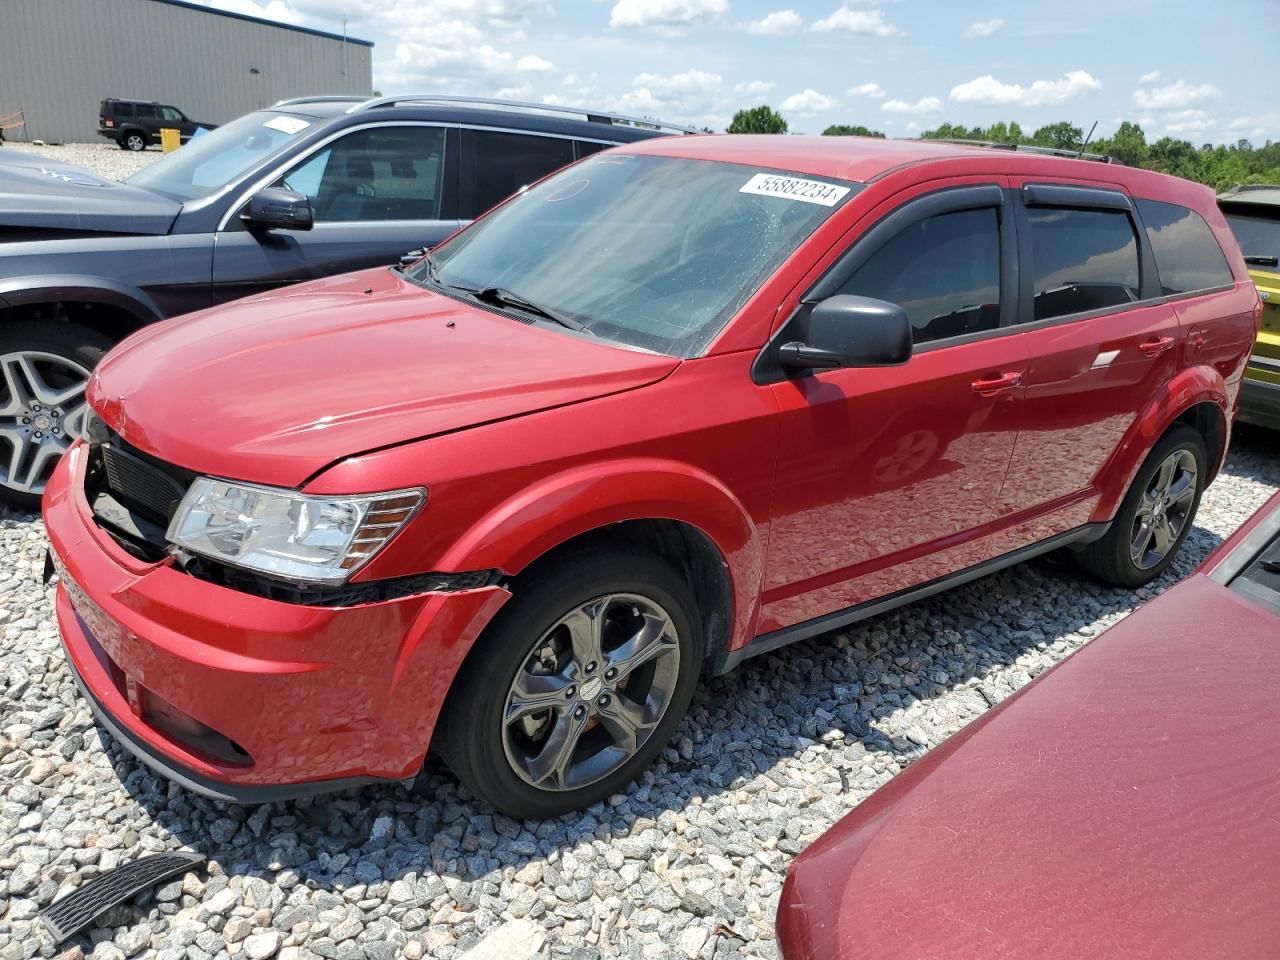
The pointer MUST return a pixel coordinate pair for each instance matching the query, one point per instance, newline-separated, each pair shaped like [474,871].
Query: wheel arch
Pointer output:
[113,309]
[1196,396]
[677,511]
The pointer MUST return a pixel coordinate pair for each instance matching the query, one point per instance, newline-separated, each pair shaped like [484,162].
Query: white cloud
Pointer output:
[808,102]
[923,105]
[872,90]
[453,55]
[754,88]
[868,23]
[988,91]
[665,14]
[983,28]
[776,23]
[1151,77]
[1175,96]
[1187,121]
[693,96]
[532,64]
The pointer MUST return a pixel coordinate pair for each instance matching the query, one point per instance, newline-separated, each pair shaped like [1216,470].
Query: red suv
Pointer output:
[677,405]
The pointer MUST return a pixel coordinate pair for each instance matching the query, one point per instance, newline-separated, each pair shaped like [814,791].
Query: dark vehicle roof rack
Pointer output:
[521,106]
[334,98]
[1024,148]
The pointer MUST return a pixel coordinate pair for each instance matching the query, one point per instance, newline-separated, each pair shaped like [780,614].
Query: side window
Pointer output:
[386,173]
[147,112]
[496,165]
[1187,255]
[586,148]
[122,109]
[172,114]
[944,271]
[1081,260]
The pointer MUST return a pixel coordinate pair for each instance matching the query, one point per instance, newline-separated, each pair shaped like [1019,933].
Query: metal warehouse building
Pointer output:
[60,58]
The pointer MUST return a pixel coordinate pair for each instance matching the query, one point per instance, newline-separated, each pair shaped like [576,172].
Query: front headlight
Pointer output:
[286,534]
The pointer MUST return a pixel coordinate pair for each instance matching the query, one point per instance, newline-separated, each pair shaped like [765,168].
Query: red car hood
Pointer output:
[273,389]
[1123,806]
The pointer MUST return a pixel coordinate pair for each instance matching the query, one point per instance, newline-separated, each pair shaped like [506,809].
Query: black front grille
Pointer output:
[140,484]
[132,494]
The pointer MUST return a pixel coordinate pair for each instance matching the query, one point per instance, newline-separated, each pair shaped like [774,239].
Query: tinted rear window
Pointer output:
[1082,260]
[1188,257]
[496,165]
[146,110]
[1257,231]
[119,109]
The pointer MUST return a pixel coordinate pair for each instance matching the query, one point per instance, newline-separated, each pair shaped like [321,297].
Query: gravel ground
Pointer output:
[105,158]
[687,864]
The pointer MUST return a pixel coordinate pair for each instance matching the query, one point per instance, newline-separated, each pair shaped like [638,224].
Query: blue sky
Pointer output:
[1197,71]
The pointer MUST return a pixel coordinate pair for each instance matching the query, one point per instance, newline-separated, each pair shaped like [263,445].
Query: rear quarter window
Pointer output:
[120,109]
[1188,257]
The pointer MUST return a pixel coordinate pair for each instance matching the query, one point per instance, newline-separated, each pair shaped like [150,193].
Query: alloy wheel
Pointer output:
[1164,510]
[42,410]
[591,692]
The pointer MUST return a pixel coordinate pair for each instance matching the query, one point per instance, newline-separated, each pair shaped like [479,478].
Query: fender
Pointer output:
[589,497]
[1198,384]
[16,291]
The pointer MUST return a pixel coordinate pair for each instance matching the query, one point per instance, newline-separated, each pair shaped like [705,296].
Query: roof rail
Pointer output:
[1023,148]
[526,106]
[331,98]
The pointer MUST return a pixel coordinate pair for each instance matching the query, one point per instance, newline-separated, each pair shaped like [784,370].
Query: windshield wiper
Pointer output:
[505,298]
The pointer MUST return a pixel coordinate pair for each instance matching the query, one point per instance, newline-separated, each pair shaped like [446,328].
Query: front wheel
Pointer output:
[1156,515]
[44,368]
[577,684]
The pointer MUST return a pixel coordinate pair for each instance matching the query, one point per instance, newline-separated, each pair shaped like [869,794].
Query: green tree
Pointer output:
[1129,145]
[845,130]
[1062,136]
[762,119]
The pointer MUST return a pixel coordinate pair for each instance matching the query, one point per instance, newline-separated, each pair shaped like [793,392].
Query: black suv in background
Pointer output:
[305,189]
[135,124]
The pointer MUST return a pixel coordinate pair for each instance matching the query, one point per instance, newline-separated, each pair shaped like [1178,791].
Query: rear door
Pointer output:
[148,115]
[1102,345]
[376,193]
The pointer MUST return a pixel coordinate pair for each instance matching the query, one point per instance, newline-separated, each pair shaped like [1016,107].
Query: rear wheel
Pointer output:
[577,684]
[1156,515]
[133,140]
[44,368]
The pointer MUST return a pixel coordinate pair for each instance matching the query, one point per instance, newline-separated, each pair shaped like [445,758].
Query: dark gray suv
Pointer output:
[306,189]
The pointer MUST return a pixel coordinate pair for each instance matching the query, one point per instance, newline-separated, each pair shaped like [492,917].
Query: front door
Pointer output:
[889,477]
[375,194]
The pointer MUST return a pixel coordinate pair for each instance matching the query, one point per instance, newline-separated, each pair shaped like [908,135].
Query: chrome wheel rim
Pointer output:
[590,692]
[134,142]
[42,409]
[1164,510]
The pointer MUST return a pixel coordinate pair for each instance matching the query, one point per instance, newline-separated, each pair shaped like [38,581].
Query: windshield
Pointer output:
[1258,236]
[209,161]
[653,252]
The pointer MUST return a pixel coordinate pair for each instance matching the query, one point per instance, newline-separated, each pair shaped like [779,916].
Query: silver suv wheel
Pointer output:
[591,692]
[42,409]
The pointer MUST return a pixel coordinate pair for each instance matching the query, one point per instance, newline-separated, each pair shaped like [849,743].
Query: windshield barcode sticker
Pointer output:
[793,188]
[289,125]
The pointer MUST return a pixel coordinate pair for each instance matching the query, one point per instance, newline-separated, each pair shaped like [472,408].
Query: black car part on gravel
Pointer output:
[76,911]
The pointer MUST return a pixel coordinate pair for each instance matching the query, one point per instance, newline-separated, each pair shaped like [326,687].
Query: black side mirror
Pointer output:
[278,207]
[847,331]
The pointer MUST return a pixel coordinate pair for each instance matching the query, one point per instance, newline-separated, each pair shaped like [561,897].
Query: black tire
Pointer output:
[81,345]
[1110,559]
[471,740]
[133,140]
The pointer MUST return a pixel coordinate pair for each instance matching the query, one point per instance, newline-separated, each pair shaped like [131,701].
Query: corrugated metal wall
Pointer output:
[59,58]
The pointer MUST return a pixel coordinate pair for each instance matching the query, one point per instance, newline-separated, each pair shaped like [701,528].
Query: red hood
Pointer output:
[1122,806]
[274,388]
